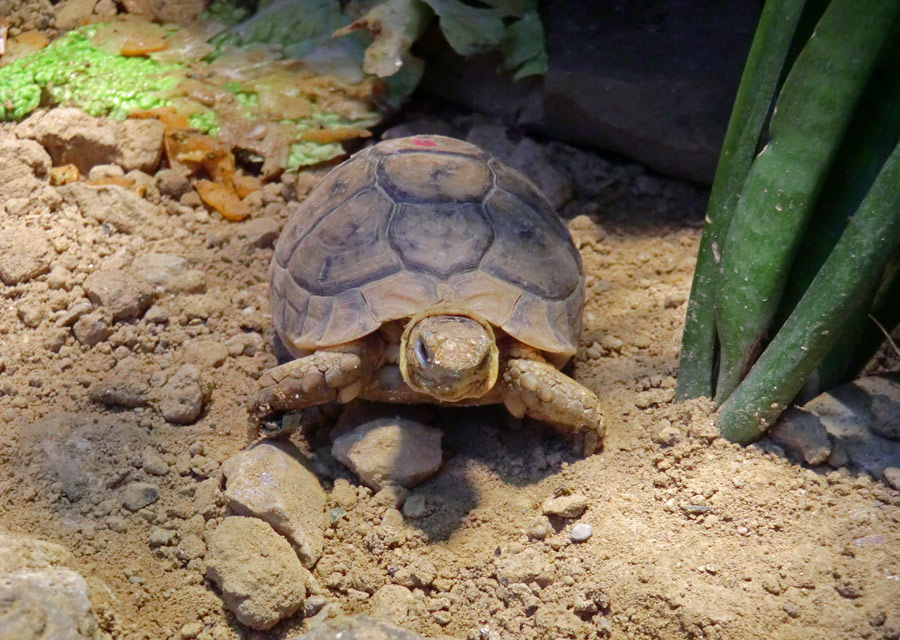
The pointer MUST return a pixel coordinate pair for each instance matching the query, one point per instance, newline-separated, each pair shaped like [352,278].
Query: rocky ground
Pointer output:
[134,324]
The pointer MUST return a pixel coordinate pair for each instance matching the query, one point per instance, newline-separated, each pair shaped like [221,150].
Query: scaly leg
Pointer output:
[534,387]
[334,373]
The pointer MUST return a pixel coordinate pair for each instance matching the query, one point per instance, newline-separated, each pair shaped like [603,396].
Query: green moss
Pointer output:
[73,72]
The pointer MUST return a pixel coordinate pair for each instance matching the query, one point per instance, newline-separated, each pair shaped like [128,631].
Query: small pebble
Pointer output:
[191,630]
[581,532]
[415,507]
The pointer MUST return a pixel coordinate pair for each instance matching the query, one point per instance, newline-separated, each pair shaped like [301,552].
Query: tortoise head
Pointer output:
[449,356]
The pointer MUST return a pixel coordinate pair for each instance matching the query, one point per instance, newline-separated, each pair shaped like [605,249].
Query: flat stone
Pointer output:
[801,433]
[260,576]
[270,481]
[25,253]
[168,272]
[389,451]
[120,208]
[569,506]
[124,296]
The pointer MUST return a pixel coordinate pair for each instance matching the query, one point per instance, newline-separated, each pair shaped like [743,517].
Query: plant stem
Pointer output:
[852,269]
[810,118]
[751,110]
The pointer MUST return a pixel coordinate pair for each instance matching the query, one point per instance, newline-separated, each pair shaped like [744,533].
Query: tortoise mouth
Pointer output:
[449,356]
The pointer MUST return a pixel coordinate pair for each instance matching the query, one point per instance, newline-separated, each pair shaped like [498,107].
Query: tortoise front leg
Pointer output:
[331,374]
[531,386]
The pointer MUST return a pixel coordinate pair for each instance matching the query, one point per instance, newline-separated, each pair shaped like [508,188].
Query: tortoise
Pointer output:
[425,270]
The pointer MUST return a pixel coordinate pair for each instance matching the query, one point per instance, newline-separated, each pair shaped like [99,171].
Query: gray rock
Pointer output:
[529,158]
[270,481]
[492,138]
[260,232]
[156,314]
[390,451]
[40,600]
[182,398]
[260,576]
[581,532]
[892,476]
[124,296]
[127,385]
[848,413]
[138,495]
[567,506]
[153,463]
[802,433]
[655,85]
[25,253]
[357,628]
[90,329]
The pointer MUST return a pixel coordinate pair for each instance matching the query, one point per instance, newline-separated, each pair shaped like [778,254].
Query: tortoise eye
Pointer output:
[423,353]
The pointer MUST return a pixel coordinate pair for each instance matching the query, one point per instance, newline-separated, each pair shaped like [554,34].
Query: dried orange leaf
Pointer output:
[140,44]
[338,134]
[172,121]
[245,185]
[132,185]
[223,200]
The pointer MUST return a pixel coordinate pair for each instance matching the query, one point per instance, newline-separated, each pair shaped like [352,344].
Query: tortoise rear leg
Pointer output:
[533,387]
[331,374]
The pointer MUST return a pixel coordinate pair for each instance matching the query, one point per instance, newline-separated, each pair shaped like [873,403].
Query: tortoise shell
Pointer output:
[415,222]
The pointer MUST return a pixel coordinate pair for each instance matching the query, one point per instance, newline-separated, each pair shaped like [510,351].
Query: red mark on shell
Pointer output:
[422,142]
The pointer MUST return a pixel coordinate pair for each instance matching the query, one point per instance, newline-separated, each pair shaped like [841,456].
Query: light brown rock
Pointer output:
[260,576]
[390,451]
[270,482]
[24,254]
[568,506]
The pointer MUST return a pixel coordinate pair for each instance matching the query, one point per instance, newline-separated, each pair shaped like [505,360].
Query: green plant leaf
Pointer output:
[523,46]
[469,30]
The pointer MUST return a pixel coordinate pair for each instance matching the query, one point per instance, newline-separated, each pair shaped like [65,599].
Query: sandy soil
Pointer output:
[692,537]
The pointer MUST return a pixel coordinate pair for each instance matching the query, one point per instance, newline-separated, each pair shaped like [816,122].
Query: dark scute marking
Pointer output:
[347,248]
[523,189]
[528,250]
[341,184]
[440,238]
